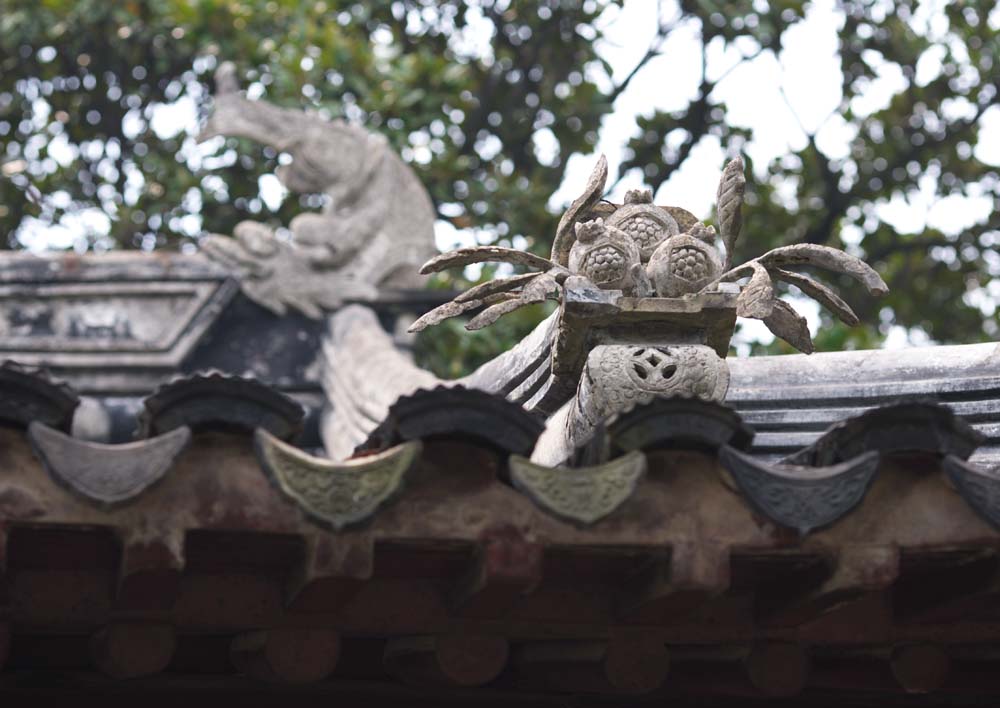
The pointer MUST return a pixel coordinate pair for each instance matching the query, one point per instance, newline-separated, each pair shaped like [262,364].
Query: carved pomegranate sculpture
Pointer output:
[648,225]
[605,255]
[685,263]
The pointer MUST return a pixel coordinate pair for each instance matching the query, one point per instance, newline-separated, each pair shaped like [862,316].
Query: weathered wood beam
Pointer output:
[858,573]
[130,649]
[938,587]
[286,655]
[920,668]
[61,575]
[675,584]
[149,571]
[454,659]
[4,643]
[627,664]
[636,664]
[777,579]
[4,579]
[777,668]
[330,574]
[915,668]
[505,568]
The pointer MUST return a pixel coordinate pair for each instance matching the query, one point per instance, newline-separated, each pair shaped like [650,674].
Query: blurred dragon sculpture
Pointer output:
[376,227]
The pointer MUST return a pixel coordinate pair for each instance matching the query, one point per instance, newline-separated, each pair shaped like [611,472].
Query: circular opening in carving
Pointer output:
[650,364]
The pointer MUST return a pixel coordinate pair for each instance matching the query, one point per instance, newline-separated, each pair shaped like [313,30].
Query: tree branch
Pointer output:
[743,58]
[655,48]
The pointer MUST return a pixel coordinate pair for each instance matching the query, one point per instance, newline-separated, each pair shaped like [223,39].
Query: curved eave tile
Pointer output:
[458,412]
[106,474]
[28,394]
[217,401]
[801,497]
[336,494]
[980,488]
[679,422]
[922,427]
[582,495]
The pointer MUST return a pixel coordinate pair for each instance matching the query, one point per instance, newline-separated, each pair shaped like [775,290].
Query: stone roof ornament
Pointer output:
[641,250]
[648,304]
[377,224]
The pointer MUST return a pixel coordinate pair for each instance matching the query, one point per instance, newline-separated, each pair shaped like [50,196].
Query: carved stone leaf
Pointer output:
[483,254]
[336,493]
[493,313]
[786,323]
[443,312]
[565,233]
[584,495]
[497,285]
[811,254]
[541,288]
[818,292]
[756,300]
[456,307]
[740,271]
[729,205]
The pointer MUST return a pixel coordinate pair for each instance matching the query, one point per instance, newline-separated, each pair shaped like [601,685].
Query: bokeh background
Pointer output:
[872,126]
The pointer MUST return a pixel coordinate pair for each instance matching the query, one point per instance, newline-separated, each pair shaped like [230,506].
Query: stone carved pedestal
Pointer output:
[618,377]
[627,375]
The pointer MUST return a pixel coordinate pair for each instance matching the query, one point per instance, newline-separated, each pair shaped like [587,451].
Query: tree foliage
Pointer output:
[487,100]
[466,116]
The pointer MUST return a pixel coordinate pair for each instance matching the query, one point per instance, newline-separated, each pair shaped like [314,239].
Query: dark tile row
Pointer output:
[813,488]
